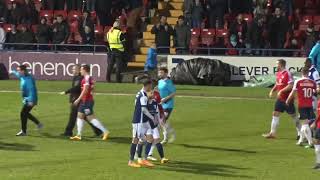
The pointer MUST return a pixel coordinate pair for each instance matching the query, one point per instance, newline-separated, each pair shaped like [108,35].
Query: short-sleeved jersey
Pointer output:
[166,87]
[87,81]
[314,74]
[305,89]
[283,79]
[318,119]
[153,108]
[140,102]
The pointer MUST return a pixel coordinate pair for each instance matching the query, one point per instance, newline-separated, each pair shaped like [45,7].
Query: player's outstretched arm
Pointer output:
[83,92]
[272,90]
[291,97]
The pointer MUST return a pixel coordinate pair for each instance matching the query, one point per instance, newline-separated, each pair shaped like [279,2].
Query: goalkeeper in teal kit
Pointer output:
[30,98]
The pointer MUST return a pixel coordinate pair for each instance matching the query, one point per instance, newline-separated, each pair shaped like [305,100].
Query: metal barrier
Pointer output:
[165,50]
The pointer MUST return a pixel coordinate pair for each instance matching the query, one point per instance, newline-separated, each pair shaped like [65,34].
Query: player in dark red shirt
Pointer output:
[305,88]
[284,84]
[86,105]
[316,125]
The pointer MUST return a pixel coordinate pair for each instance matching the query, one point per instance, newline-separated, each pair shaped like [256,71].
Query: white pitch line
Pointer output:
[178,96]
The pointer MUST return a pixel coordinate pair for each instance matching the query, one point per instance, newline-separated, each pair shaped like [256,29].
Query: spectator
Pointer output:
[296,19]
[151,62]
[25,36]
[187,10]
[43,34]
[48,4]
[123,18]
[16,14]
[310,39]
[196,11]
[3,11]
[278,27]
[31,14]
[216,9]
[85,21]
[239,28]
[254,37]
[163,31]
[90,5]
[182,36]
[74,5]
[2,37]
[60,31]
[233,46]
[12,37]
[103,9]
[87,38]
[293,47]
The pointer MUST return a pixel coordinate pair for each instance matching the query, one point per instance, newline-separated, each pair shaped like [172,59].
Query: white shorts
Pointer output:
[139,130]
[315,103]
[156,133]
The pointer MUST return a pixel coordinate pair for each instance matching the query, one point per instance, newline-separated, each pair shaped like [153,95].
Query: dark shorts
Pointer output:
[317,134]
[306,113]
[86,108]
[167,113]
[280,106]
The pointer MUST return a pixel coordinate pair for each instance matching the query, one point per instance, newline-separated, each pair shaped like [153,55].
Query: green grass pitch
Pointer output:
[218,137]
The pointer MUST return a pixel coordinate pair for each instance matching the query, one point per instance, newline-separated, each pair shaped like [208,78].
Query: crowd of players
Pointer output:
[153,105]
[306,88]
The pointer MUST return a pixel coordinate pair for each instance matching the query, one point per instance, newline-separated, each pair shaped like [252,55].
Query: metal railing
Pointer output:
[162,50]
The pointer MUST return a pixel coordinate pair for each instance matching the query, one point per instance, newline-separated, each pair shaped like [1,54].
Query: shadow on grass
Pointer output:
[217,148]
[120,140]
[61,137]
[16,147]
[204,169]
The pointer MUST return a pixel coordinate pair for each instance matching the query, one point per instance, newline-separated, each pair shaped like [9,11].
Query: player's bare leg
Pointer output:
[167,130]
[274,125]
[317,153]
[133,148]
[96,123]
[80,124]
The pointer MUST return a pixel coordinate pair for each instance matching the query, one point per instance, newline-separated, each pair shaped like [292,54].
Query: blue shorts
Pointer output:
[280,106]
[306,113]
[317,134]
[86,108]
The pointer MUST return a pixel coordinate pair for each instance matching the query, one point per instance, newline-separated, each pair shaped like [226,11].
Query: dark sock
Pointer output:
[147,150]
[132,151]
[160,150]
[139,150]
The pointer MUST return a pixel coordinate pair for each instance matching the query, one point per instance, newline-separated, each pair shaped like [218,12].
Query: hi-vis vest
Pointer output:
[113,37]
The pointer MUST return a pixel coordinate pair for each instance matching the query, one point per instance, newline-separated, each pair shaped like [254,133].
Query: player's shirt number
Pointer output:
[308,92]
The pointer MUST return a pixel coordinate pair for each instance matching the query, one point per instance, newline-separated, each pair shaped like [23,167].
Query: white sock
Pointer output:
[151,150]
[296,121]
[80,124]
[317,152]
[302,136]
[307,132]
[274,124]
[98,125]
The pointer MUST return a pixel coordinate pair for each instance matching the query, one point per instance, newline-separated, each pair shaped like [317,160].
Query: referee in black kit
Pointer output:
[75,92]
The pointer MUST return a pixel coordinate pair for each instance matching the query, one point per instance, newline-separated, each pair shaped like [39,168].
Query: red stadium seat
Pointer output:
[247,17]
[316,20]
[194,41]
[7,27]
[207,36]
[48,14]
[34,28]
[74,15]
[222,33]
[306,20]
[61,12]
[74,26]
